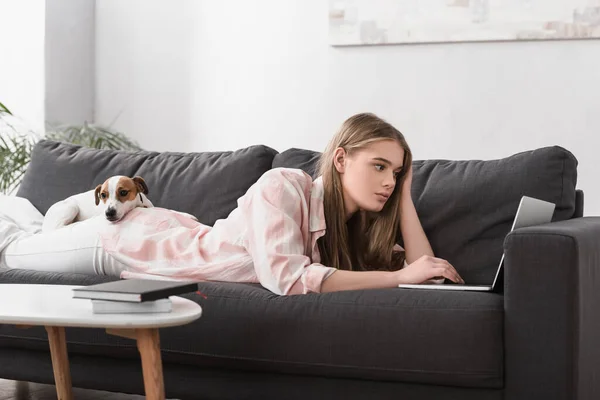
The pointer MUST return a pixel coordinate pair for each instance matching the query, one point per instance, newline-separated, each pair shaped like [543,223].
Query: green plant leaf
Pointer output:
[15,153]
[3,109]
[16,146]
[94,136]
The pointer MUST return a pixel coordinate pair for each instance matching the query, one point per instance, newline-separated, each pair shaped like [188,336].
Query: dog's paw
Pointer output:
[59,215]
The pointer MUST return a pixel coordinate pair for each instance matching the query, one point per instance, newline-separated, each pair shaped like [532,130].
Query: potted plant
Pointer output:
[15,152]
[16,144]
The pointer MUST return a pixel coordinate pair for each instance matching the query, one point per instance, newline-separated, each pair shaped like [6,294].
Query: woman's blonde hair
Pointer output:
[364,242]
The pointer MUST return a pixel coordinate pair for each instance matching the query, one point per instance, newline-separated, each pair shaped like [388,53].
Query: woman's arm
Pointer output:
[273,210]
[423,269]
[416,243]
[355,280]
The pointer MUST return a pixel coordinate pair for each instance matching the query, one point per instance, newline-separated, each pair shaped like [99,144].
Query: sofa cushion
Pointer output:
[445,338]
[206,185]
[467,207]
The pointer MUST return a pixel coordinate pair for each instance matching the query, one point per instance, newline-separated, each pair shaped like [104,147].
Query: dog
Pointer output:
[121,194]
[114,198]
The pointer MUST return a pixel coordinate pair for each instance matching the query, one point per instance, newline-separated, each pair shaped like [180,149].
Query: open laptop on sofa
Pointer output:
[531,212]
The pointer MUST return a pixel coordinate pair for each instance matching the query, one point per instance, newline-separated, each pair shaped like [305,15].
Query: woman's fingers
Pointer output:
[449,272]
[441,268]
[446,264]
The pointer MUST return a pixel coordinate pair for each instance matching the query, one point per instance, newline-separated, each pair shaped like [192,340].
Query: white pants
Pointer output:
[75,248]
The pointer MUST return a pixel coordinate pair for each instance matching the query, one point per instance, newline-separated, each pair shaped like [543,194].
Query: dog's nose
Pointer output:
[111,213]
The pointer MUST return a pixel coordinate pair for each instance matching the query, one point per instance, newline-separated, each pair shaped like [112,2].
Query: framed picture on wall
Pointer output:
[371,22]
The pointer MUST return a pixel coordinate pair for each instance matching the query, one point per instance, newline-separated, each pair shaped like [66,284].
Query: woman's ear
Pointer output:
[339,159]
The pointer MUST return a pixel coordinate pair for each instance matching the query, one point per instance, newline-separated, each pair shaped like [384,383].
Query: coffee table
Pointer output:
[53,307]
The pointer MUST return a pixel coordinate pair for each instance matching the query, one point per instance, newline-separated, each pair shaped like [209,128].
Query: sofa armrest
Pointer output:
[552,310]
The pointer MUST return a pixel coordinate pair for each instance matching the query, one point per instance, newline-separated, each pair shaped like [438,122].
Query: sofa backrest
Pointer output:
[206,185]
[467,207]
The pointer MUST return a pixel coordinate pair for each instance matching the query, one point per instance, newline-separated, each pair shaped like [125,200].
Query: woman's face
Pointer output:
[369,175]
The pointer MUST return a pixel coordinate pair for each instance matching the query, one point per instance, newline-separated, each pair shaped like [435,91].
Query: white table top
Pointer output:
[54,305]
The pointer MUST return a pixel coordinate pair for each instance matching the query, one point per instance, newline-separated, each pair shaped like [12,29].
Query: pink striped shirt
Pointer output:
[270,238]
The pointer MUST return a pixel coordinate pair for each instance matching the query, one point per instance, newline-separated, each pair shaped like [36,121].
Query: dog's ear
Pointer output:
[97,194]
[141,184]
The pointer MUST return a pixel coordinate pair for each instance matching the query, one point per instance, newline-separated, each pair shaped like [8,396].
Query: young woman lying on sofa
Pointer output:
[289,232]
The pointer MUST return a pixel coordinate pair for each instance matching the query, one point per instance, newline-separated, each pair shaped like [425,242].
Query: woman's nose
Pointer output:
[390,180]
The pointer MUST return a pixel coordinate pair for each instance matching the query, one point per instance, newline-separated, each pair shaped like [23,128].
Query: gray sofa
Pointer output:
[535,340]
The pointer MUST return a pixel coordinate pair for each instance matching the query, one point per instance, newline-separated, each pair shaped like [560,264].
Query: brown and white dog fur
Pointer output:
[121,194]
[114,198]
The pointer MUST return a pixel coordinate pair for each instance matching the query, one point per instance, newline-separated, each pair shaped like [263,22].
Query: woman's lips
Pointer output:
[382,196]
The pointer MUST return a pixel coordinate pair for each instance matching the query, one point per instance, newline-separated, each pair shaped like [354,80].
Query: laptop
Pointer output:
[531,212]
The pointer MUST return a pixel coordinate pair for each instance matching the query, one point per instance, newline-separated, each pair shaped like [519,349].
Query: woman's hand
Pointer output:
[426,268]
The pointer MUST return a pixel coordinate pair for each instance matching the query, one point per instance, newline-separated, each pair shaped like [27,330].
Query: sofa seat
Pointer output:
[403,335]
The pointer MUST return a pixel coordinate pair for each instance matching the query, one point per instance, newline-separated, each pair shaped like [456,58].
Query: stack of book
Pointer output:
[133,295]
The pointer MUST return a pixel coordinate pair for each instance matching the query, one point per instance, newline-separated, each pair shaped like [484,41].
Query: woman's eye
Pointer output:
[379,167]
[123,193]
[103,195]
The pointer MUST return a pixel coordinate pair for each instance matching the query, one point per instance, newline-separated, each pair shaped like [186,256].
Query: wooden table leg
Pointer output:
[148,344]
[60,362]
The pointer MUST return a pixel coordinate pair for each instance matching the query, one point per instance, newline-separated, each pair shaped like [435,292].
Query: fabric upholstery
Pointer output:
[552,276]
[444,338]
[191,383]
[206,185]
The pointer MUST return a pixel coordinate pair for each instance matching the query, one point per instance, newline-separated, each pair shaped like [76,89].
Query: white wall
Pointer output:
[22,60]
[220,75]
[70,65]
[144,53]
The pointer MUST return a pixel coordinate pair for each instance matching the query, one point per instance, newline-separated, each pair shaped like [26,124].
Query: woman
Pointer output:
[290,233]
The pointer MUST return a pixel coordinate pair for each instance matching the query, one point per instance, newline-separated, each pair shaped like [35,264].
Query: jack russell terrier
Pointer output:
[114,198]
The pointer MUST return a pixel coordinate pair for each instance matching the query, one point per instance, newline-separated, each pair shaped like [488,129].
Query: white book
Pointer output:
[123,307]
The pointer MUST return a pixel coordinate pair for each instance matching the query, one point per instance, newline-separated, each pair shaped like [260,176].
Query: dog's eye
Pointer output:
[103,195]
[123,193]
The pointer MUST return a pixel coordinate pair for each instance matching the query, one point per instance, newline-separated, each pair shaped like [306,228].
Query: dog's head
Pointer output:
[119,195]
